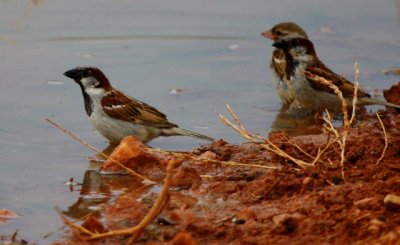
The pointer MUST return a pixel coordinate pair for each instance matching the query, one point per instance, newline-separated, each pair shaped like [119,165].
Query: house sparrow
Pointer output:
[303,72]
[279,32]
[116,115]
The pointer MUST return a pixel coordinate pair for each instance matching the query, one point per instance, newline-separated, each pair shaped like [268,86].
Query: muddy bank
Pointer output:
[212,202]
[266,199]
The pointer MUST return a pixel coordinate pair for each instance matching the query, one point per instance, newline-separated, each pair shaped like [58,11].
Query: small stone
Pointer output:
[392,202]
[373,229]
[376,222]
[286,223]
[247,214]
[306,180]
[237,221]
[208,155]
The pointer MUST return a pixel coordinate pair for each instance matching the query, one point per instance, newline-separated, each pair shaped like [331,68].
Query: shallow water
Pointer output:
[211,49]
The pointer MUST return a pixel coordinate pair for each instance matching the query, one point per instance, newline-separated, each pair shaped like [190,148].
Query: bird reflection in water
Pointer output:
[98,190]
[297,122]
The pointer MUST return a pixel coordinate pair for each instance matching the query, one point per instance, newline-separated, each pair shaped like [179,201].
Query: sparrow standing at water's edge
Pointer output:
[279,32]
[303,72]
[116,115]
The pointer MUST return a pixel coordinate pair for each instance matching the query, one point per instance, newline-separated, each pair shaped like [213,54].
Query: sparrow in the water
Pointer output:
[303,74]
[279,32]
[116,115]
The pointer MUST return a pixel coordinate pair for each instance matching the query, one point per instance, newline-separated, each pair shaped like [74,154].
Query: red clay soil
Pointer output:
[213,203]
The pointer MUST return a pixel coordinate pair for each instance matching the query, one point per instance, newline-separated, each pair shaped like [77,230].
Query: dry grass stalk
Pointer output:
[316,158]
[355,95]
[235,117]
[130,171]
[256,139]
[229,163]
[385,137]
[342,136]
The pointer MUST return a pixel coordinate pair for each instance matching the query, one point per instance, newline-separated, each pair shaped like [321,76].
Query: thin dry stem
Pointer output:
[315,159]
[341,138]
[234,116]
[385,137]
[243,133]
[329,127]
[229,163]
[255,138]
[303,151]
[95,150]
[355,96]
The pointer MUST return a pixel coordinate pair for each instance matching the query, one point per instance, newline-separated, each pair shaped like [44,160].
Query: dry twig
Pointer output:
[229,163]
[385,137]
[342,136]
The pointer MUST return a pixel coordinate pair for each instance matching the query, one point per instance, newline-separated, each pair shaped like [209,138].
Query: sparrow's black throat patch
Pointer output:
[87,100]
[291,65]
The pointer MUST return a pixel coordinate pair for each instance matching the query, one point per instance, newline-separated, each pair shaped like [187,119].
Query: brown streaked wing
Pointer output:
[345,86]
[122,107]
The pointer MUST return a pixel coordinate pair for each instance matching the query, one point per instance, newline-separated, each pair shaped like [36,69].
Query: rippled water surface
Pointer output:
[212,50]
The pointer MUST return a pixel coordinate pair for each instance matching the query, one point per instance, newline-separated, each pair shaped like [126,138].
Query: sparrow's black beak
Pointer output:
[74,74]
[280,45]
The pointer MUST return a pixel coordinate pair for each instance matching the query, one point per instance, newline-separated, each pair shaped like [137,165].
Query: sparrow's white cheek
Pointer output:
[89,82]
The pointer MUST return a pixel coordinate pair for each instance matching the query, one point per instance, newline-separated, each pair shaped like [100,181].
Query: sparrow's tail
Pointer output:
[184,132]
[196,135]
[371,101]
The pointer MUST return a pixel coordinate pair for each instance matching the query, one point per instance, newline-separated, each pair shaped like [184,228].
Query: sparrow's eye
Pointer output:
[278,33]
[86,73]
